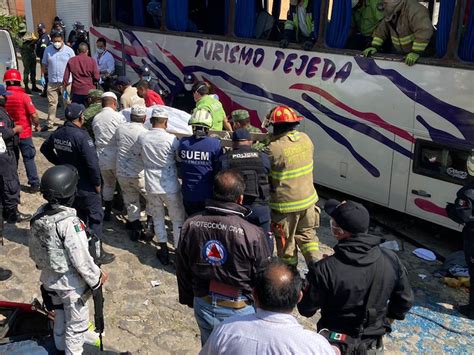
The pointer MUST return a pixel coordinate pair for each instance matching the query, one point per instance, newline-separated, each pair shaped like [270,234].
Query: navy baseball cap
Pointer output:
[349,215]
[241,134]
[41,26]
[122,80]
[74,111]
[3,91]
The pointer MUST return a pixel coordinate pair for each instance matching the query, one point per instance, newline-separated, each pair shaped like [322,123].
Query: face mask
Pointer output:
[147,78]
[100,50]
[57,45]
[188,87]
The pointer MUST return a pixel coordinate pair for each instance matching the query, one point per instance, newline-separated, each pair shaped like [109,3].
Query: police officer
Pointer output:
[461,211]
[241,119]
[59,246]
[198,158]
[9,181]
[70,144]
[184,100]
[219,255]
[58,27]
[43,41]
[145,73]
[255,168]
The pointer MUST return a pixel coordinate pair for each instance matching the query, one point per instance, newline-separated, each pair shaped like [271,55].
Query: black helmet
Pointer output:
[145,70]
[59,182]
[189,79]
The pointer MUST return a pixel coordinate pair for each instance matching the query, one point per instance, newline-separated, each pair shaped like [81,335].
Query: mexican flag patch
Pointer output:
[79,227]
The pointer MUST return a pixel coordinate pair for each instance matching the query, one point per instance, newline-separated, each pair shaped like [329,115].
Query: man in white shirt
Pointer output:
[129,95]
[105,62]
[104,125]
[130,173]
[158,151]
[272,329]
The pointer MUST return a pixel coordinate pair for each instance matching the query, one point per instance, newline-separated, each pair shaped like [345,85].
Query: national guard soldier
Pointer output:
[255,168]
[293,196]
[461,211]
[59,246]
[219,255]
[94,106]
[70,144]
[28,57]
[241,119]
[198,158]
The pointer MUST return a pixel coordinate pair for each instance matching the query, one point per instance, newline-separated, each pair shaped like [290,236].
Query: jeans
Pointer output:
[209,316]
[28,152]
[79,99]
[89,209]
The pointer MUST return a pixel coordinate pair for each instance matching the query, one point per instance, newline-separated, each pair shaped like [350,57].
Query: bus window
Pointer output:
[208,16]
[440,162]
[139,13]
[102,12]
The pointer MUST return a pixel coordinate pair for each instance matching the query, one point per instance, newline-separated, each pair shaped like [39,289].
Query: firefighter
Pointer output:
[461,212]
[296,30]
[293,196]
[408,25]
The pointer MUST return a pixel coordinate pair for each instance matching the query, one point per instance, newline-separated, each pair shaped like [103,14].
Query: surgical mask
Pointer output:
[188,87]
[100,50]
[57,45]
[147,78]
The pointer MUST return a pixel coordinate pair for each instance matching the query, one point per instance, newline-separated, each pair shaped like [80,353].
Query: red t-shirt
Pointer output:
[20,108]
[153,98]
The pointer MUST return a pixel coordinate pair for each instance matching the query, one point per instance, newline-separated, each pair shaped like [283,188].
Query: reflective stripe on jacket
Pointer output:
[291,156]
[410,30]
[292,22]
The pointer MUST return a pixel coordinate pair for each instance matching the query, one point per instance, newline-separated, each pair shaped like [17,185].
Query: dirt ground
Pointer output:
[144,319]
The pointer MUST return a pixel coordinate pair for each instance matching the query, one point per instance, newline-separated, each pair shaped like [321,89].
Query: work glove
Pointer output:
[284,43]
[66,96]
[43,81]
[369,51]
[411,58]
[308,45]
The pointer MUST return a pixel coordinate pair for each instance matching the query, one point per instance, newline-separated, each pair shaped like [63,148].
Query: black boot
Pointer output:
[107,210]
[163,254]
[15,216]
[466,310]
[135,230]
[5,274]
[105,258]
[149,231]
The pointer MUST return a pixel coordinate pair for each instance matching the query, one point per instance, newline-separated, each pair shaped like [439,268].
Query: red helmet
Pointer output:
[12,75]
[282,114]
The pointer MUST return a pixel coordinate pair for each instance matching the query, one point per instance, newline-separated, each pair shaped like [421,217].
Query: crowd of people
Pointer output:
[228,208]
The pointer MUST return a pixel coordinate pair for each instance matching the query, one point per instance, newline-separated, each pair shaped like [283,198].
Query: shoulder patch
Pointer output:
[214,253]
[79,226]
[90,142]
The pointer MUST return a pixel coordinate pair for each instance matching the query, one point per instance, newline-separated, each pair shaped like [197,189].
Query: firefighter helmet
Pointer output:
[202,118]
[12,75]
[281,114]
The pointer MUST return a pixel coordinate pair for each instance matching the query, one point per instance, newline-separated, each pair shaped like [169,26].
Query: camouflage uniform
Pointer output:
[242,115]
[92,110]
[28,56]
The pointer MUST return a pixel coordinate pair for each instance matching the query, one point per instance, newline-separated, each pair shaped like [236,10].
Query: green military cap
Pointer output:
[240,115]
[95,94]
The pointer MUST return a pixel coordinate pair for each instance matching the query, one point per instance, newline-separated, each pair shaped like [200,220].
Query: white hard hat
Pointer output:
[138,110]
[109,94]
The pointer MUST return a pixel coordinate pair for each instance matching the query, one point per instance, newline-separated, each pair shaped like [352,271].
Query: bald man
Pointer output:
[272,328]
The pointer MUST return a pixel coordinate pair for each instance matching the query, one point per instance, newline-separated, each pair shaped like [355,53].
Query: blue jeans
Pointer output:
[209,316]
[28,152]
[79,99]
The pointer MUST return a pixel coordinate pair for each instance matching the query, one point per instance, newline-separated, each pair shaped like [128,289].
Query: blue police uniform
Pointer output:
[72,145]
[9,182]
[198,159]
[255,167]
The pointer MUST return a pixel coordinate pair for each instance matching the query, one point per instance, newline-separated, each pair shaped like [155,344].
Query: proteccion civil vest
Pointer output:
[45,243]
[249,164]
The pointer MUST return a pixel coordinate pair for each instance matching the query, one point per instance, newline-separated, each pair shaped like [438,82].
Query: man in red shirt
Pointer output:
[151,97]
[85,74]
[22,111]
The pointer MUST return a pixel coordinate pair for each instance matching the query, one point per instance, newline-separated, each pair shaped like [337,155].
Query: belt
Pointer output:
[228,304]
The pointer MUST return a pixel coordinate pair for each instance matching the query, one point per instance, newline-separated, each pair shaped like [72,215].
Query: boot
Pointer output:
[105,258]
[466,310]
[136,230]
[5,274]
[15,216]
[149,231]
[163,254]
[108,210]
